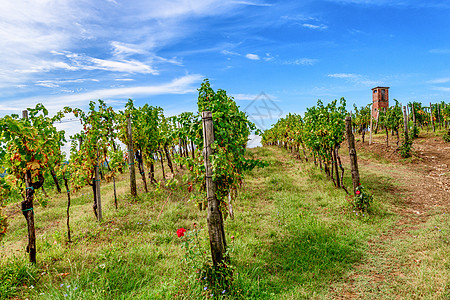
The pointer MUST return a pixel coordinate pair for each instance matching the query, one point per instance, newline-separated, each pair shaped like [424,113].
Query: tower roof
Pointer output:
[380,87]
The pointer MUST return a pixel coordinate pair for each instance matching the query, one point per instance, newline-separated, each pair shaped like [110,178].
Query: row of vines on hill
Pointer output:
[30,152]
[322,129]
[320,132]
[418,116]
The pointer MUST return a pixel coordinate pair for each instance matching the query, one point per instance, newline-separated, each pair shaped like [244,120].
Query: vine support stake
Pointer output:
[405,123]
[371,125]
[97,190]
[352,152]
[431,117]
[215,219]
[131,159]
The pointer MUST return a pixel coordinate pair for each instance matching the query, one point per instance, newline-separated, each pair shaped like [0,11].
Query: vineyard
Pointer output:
[147,206]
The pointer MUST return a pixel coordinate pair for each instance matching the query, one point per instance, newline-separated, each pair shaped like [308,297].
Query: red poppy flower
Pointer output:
[358,192]
[180,232]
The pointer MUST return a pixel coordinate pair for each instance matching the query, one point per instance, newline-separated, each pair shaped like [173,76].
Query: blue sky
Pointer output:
[158,52]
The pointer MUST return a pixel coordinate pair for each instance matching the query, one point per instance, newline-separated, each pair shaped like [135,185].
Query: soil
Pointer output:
[425,183]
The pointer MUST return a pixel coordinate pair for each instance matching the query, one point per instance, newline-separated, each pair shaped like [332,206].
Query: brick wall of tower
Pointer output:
[380,100]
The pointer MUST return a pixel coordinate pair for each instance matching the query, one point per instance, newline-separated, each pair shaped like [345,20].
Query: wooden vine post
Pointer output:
[405,125]
[131,160]
[66,184]
[371,125]
[352,152]
[97,190]
[214,218]
[431,118]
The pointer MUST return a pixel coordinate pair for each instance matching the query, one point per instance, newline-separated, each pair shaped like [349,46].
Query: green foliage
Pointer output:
[422,118]
[446,136]
[405,148]
[29,145]
[414,132]
[361,117]
[392,118]
[231,131]
[3,219]
[362,200]
[321,130]
[204,278]
[149,129]
[97,139]
[14,276]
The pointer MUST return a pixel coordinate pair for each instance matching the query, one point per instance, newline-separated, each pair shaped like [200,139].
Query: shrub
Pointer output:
[362,200]
[414,133]
[405,148]
[446,136]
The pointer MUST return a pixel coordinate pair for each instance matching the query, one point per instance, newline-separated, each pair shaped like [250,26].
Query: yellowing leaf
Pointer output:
[33,165]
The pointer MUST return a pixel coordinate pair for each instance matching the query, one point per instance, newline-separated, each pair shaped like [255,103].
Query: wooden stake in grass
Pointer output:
[371,126]
[133,189]
[68,207]
[352,152]
[405,123]
[97,190]
[215,219]
[431,117]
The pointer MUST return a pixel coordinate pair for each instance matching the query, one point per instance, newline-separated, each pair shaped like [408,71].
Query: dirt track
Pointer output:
[424,181]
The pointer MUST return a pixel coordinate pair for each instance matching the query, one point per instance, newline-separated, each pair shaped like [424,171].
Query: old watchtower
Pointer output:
[380,98]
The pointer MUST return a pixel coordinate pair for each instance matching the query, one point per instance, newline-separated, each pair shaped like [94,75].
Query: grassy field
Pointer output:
[294,236]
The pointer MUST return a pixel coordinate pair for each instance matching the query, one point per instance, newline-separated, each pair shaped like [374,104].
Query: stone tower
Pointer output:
[380,98]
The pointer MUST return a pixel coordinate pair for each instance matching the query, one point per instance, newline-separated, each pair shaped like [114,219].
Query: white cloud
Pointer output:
[251,3]
[58,83]
[230,53]
[298,18]
[182,85]
[245,97]
[312,26]
[440,80]
[47,84]
[32,32]
[251,97]
[252,56]
[302,61]
[343,75]
[268,57]
[124,49]
[424,4]
[440,51]
[83,62]
[126,66]
[442,89]
[124,79]
[356,79]
[254,141]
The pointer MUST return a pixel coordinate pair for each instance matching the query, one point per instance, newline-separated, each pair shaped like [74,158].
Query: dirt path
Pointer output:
[426,180]
[426,185]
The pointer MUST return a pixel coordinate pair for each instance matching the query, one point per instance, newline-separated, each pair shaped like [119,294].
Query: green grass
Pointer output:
[295,237]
